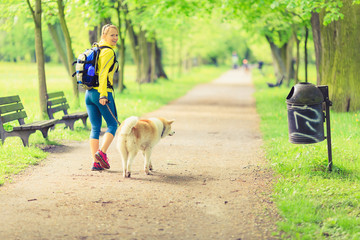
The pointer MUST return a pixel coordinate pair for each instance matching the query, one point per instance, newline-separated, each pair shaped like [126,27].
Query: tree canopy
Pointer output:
[180,33]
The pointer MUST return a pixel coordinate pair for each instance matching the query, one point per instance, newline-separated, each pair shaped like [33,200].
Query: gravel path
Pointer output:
[210,180]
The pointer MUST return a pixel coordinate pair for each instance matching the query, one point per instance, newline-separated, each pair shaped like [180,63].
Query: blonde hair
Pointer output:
[105,29]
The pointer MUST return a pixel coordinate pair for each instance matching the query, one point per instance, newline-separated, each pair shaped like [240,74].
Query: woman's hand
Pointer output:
[103,101]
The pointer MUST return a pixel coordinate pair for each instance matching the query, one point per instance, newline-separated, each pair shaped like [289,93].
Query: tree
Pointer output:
[271,20]
[121,16]
[133,41]
[335,37]
[338,58]
[18,37]
[69,51]
[40,60]
[59,42]
[141,45]
[149,23]
[334,26]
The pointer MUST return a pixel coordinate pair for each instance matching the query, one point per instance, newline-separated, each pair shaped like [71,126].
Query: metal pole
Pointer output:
[328,133]
[328,103]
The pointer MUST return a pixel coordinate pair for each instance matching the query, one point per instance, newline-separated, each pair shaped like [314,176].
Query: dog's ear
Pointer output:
[171,121]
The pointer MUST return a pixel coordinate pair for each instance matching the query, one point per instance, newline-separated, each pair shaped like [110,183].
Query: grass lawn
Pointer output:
[313,203]
[21,79]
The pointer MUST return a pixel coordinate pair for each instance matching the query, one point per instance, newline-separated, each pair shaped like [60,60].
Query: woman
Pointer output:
[97,98]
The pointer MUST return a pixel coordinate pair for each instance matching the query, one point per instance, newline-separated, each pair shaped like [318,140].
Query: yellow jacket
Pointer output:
[106,59]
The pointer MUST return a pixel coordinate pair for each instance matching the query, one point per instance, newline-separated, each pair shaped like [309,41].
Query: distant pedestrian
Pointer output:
[245,64]
[235,60]
[260,65]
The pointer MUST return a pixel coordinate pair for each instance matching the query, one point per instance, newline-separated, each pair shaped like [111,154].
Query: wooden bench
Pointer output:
[11,109]
[56,102]
[277,84]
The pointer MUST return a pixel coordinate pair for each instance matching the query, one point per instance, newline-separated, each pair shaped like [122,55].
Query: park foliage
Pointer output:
[190,33]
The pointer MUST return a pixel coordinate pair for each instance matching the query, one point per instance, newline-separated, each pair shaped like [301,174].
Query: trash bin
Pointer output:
[305,114]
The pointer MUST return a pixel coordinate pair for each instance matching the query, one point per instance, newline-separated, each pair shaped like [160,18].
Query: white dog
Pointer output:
[136,134]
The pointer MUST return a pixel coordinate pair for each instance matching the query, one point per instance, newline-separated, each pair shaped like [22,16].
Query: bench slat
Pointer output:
[55,95]
[13,116]
[60,108]
[75,115]
[11,108]
[8,100]
[56,102]
[36,125]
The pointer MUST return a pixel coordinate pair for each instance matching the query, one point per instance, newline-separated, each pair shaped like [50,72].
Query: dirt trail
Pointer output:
[210,180]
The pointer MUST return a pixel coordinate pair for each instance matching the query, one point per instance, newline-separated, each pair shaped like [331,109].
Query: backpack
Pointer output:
[86,65]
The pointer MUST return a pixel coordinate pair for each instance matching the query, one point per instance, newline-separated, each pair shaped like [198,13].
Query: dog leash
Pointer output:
[112,114]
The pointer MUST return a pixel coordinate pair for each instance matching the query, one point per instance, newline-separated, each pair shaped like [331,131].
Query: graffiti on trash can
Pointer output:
[307,118]
[307,122]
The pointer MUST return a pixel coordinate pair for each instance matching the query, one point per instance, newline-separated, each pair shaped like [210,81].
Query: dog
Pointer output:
[136,134]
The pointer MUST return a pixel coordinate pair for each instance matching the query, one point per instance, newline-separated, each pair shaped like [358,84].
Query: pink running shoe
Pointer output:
[97,167]
[102,158]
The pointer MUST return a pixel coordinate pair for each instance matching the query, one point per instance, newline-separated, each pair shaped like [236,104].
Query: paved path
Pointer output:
[210,180]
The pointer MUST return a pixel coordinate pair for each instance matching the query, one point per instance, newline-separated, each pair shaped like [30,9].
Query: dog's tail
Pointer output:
[128,125]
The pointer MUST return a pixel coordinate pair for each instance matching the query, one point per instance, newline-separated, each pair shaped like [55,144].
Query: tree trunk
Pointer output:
[289,60]
[121,61]
[160,72]
[121,49]
[144,57]
[135,49]
[153,61]
[279,64]
[93,35]
[306,53]
[134,41]
[339,59]
[59,43]
[296,74]
[315,24]
[69,50]
[282,60]
[180,63]
[40,57]
[173,57]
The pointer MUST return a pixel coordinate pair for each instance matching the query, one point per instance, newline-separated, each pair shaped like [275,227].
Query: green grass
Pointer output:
[21,79]
[313,203]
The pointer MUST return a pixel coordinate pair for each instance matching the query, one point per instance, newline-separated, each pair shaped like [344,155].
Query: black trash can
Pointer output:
[305,114]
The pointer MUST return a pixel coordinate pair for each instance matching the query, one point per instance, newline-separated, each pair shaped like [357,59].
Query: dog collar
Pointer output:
[162,133]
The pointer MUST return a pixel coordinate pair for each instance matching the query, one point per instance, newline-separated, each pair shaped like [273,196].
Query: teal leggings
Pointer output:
[96,111]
